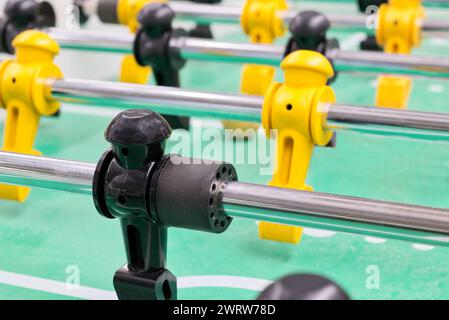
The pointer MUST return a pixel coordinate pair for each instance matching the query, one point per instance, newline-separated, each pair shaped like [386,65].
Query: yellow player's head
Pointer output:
[33,45]
[306,68]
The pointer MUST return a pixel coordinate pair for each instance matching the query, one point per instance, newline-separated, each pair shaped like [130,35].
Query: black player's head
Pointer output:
[308,29]
[138,137]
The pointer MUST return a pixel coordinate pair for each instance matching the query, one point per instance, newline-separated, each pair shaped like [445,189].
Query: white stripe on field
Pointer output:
[56,287]
[223,282]
[83,292]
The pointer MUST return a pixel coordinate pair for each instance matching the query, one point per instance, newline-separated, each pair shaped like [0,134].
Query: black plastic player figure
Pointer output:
[20,15]
[369,43]
[303,287]
[308,32]
[151,48]
[149,192]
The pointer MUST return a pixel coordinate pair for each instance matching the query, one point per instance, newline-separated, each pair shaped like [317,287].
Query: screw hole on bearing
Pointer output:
[214,187]
[14,80]
[289,107]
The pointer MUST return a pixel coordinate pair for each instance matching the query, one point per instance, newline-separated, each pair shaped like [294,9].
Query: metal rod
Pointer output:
[309,209]
[338,213]
[388,122]
[201,49]
[55,174]
[391,63]
[176,101]
[204,13]
[207,14]
[388,116]
[118,42]
[170,101]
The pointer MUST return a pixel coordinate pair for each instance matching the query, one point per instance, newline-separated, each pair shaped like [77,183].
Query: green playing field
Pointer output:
[46,241]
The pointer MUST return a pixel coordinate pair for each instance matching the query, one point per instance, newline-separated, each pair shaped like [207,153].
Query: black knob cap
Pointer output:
[303,287]
[46,16]
[308,29]
[156,19]
[138,137]
[22,12]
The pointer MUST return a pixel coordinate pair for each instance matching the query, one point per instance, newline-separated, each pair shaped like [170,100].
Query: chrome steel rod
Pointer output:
[389,117]
[118,42]
[170,101]
[325,211]
[202,49]
[55,174]
[338,213]
[390,63]
[175,101]
[204,13]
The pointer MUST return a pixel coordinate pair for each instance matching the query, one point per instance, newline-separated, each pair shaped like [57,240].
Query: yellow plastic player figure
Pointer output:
[127,13]
[297,110]
[261,22]
[398,31]
[24,95]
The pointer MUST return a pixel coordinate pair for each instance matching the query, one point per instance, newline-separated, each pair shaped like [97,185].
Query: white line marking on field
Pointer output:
[436,88]
[56,287]
[422,247]
[83,292]
[374,240]
[223,282]
[317,233]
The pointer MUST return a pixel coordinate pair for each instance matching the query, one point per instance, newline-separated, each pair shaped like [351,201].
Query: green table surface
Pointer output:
[43,240]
